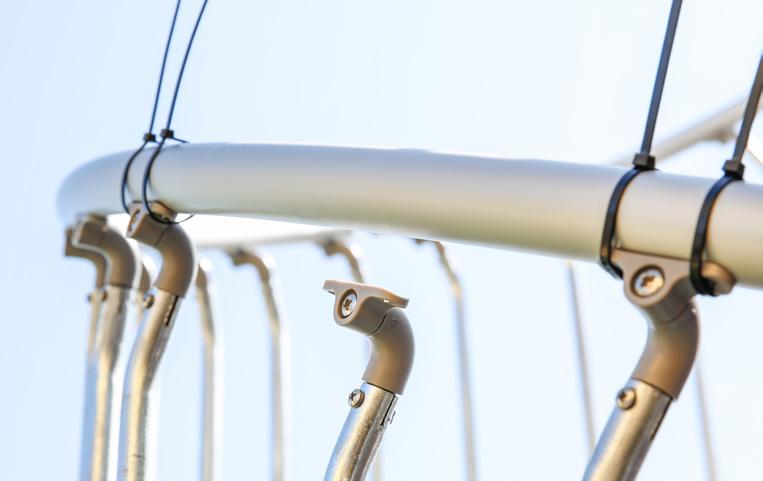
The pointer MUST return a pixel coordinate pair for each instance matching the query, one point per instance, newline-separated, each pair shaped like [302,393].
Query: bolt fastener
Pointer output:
[348,304]
[356,398]
[626,398]
[648,282]
[148,301]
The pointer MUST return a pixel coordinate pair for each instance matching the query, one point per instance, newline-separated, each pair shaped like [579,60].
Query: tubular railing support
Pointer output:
[378,314]
[211,402]
[353,254]
[279,377]
[103,403]
[661,289]
[162,304]
[462,346]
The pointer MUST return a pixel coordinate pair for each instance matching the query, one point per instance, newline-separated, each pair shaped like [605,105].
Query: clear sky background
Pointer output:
[550,79]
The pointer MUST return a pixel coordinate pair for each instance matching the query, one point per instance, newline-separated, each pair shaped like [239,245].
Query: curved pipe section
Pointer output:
[103,403]
[211,401]
[378,314]
[661,289]
[175,277]
[279,377]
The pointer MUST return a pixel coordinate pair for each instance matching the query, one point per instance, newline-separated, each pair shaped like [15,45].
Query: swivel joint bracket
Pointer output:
[98,259]
[178,268]
[378,314]
[93,232]
[661,288]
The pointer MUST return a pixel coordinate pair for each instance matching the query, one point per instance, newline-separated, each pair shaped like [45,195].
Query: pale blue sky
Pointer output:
[548,79]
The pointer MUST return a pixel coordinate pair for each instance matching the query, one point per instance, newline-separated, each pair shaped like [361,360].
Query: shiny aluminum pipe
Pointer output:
[211,402]
[102,405]
[547,207]
[95,299]
[171,285]
[279,374]
[378,314]
[462,343]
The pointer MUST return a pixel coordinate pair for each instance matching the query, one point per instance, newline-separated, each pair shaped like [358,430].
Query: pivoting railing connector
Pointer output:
[93,232]
[171,242]
[378,314]
[351,251]
[97,258]
[211,401]
[176,274]
[662,290]
[280,381]
[103,400]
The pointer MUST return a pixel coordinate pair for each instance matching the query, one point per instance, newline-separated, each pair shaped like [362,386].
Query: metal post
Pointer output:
[280,386]
[95,298]
[582,357]
[378,314]
[162,305]
[462,347]
[211,427]
[661,289]
[704,419]
[103,402]
[353,254]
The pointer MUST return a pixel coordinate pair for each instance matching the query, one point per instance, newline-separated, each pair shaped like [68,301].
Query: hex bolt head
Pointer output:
[356,398]
[648,282]
[348,304]
[626,398]
[148,301]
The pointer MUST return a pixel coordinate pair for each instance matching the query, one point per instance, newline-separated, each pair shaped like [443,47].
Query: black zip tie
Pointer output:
[167,132]
[643,161]
[149,136]
[733,170]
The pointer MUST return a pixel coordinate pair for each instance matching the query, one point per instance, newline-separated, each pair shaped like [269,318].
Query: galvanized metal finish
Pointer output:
[361,435]
[704,418]
[279,373]
[581,354]
[102,405]
[463,359]
[142,367]
[629,433]
[95,300]
[211,403]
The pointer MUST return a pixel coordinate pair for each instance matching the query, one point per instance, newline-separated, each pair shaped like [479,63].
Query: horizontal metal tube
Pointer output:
[546,207]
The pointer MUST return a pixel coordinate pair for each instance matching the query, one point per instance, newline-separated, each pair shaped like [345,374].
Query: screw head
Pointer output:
[648,282]
[626,398]
[148,301]
[348,304]
[356,398]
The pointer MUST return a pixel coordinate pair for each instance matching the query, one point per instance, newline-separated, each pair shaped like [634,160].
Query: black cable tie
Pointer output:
[643,161]
[733,170]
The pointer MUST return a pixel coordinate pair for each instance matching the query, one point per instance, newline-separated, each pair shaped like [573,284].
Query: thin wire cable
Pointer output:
[149,135]
[167,132]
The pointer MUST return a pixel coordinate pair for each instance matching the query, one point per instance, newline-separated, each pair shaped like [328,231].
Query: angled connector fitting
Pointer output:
[377,313]
[175,247]
[99,260]
[94,233]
